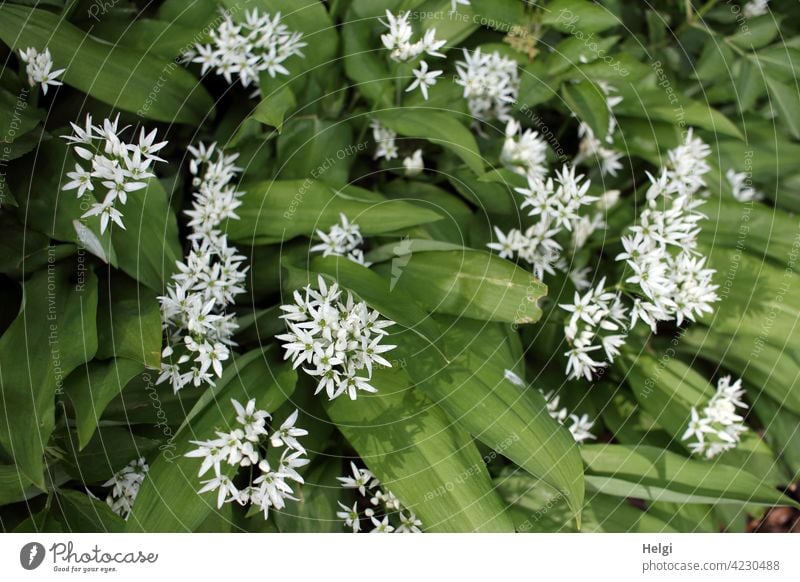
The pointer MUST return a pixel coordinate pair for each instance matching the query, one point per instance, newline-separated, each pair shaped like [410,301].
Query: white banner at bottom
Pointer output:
[328,557]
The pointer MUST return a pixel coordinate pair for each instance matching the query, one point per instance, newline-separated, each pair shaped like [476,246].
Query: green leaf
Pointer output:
[280,210]
[437,127]
[148,247]
[786,100]
[588,102]
[578,17]
[168,499]
[315,510]
[317,149]
[14,486]
[429,464]
[651,473]
[470,283]
[515,422]
[54,333]
[759,32]
[92,387]
[129,323]
[121,76]
[82,514]
[272,109]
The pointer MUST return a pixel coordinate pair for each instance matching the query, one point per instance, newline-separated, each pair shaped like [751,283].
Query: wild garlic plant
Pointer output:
[338,338]
[110,168]
[39,68]
[376,507]
[342,240]
[125,486]
[247,447]
[718,428]
[241,51]
[199,329]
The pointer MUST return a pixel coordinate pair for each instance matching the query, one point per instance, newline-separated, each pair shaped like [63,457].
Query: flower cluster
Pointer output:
[598,322]
[491,84]
[193,310]
[414,164]
[115,169]
[398,39]
[382,510]
[756,8]
[580,427]
[556,204]
[592,147]
[342,240]
[39,68]
[719,428]
[262,43]
[338,337]
[741,186]
[668,273]
[386,147]
[125,487]
[524,153]
[247,445]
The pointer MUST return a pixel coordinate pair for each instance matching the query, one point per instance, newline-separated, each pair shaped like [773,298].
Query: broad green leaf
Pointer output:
[14,486]
[513,421]
[786,101]
[129,322]
[438,127]
[651,473]
[54,333]
[281,210]
[588,102]
[273,107]
[92,387]
[579,17]
[365,67]
[472,284]
[760,31]
[82,514]
[315,510]
[168,499]
[148,247]
[121,76]
[419,455]
[317,149]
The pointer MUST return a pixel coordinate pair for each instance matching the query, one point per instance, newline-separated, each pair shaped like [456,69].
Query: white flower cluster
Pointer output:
[125,487]
[491,84]
[115,167]
[592,147]
[193,310]
[39,68]
[524,153]
[342,240]
[742,187]
[580,427]
[598,322]
[339,338]
[247,446]
[386,147]
[667,270]
[414,164]
[398,39]
[246,49]
[756,8]
[384,511]
[557,205]
[719,428]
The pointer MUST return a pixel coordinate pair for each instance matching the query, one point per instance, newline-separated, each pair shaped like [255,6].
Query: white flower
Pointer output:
[342,240]
[413,163]
[39,68]
[247,445]
[423,79]
[490,82]
[340,340]
[756,8]
[398,39]
[262,43]
[125,486]
[350,516]
[718,428]
[742,187]
[116,168]
[362,479]
[384,510]
[384,140]
[524,153]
